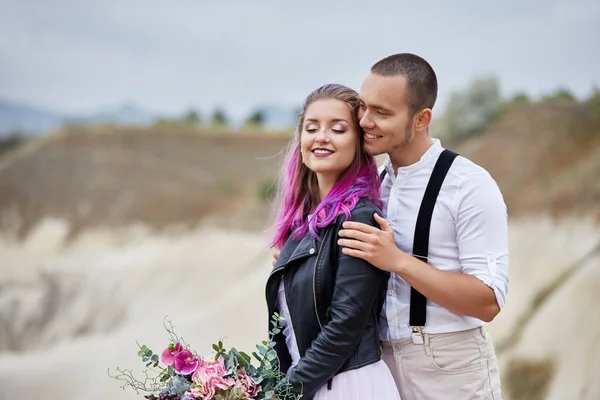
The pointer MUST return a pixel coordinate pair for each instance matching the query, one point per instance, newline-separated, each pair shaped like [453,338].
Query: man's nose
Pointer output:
[366,122]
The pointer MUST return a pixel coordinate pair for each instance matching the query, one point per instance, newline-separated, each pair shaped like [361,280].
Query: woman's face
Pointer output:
[328,139]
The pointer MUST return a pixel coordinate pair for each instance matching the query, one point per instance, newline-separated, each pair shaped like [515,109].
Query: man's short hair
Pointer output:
[421,80]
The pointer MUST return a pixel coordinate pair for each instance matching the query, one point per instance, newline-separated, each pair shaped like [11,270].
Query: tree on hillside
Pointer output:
[520,99]
[468,112]
[219,117]
[192,118]
[256,118]
[560,94]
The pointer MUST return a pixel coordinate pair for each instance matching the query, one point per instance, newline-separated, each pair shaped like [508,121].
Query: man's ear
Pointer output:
[423,119]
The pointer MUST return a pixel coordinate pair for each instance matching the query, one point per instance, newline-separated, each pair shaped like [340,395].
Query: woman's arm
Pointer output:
[355,291]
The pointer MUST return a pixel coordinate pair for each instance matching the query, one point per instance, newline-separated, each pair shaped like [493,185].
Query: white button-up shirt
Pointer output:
[469,234]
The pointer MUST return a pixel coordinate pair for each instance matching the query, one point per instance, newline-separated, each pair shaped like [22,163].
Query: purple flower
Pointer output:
[186,363]
[168,354]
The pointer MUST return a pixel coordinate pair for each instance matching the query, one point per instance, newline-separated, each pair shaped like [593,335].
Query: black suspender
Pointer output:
[382,175]
[418,302]
[421,241]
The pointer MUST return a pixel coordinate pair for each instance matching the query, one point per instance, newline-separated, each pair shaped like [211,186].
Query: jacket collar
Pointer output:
[294,249]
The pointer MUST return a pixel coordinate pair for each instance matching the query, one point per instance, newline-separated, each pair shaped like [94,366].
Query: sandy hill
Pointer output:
[161,178]
[544,157]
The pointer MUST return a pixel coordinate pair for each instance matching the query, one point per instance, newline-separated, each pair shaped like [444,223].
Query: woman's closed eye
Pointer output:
[311,128]
[338,128]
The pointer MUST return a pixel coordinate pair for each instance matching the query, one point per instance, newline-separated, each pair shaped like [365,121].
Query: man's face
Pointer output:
[384,113]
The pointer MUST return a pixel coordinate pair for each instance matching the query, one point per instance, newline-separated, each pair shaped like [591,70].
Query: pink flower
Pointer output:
[208,379]
[186,363]
[249,388]
[168,354]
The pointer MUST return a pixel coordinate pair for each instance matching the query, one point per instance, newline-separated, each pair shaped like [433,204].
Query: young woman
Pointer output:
[329,347]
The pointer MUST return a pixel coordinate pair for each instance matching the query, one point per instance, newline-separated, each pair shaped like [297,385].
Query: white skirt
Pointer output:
[371,382]
[374,381]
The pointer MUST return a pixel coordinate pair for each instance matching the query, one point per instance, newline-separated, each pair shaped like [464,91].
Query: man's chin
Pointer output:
[374,151]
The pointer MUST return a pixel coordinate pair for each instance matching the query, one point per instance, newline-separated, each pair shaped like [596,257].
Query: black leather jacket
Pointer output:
[334,300]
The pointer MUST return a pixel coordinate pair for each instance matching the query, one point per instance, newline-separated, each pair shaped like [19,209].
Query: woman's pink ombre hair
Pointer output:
[298,190]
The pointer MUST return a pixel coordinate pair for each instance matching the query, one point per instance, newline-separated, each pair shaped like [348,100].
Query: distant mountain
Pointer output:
[277,117]
[26,119]
[30,120]
[125,114]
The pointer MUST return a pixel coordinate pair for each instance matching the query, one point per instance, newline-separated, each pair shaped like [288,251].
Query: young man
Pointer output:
[449,270]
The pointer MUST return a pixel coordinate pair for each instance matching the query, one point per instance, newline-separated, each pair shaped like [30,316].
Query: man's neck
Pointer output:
[411,153]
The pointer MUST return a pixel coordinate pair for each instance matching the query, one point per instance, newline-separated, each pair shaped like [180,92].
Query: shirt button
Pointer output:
[312,251]
[390,292]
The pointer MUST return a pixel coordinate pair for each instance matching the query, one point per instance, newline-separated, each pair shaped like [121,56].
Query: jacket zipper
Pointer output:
[315,281]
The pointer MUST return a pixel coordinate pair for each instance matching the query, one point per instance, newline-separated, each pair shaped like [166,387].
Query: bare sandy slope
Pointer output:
[209,282]
[67,314]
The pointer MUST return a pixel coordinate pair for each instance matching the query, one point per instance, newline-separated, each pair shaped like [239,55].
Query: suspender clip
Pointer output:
[417,335]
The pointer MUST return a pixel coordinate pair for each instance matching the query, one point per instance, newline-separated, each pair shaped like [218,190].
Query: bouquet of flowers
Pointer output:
[229,375]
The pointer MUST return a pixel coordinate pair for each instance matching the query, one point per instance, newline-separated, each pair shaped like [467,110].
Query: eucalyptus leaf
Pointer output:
[271,355]
[261,349]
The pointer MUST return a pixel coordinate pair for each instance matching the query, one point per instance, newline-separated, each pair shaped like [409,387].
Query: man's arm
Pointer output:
[482,238]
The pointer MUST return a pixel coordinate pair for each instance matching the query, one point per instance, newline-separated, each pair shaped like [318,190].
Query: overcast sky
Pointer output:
[77,56]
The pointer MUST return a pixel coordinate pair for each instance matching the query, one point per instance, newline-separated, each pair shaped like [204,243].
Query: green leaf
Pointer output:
[259,358]
[252,369]
[155,358]
[141,353]
[231,361]
[216,348]
[245,356]
[241,360]
[261,349]
[271,355]
[145,359]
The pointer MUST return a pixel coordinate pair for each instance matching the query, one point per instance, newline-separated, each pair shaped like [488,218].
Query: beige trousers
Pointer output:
[453,366]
